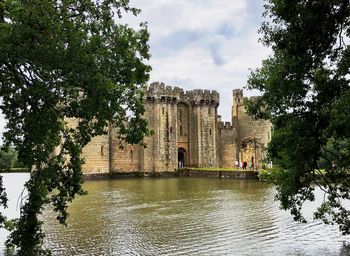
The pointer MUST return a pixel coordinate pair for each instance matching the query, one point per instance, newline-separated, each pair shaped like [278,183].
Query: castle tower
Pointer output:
[161,113]
[237,109]
[183,131]
[205,128]
[237,102]
[227,145]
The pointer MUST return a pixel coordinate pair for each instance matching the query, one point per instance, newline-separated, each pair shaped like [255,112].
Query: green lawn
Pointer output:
[217,169]
[22,169]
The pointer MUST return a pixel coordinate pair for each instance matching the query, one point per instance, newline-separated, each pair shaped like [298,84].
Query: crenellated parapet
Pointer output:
[238,96]
[160,92]
[237,93]
[204,97]
[225,125]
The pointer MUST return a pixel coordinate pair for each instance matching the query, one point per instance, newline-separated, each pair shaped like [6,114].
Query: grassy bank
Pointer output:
[218,169]
[15,170]
[219,173]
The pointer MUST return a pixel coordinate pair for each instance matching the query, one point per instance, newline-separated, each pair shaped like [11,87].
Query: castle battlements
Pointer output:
[225,125]
[159,91]
[199,96]
[238,93]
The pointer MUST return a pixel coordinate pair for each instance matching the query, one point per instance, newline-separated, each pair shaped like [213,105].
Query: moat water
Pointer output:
[182,216]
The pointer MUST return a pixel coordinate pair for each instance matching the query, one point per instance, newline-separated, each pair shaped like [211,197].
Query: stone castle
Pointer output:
[188,132]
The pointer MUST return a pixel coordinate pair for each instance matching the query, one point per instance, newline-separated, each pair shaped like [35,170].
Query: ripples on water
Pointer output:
[190,216]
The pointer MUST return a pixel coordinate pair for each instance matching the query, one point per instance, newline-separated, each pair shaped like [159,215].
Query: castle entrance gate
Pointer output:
[181,156]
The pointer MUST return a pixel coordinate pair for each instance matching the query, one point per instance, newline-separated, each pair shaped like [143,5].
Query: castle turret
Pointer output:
[204,127]
[161,111]
[227,145]
[237,101]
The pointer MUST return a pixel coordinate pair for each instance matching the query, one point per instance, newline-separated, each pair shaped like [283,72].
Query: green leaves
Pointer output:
[305,86]
[59,60]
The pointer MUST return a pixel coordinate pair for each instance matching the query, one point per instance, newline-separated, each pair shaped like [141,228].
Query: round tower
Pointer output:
[237,96]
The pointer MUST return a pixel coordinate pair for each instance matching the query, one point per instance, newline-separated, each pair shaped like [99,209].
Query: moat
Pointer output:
[183,216]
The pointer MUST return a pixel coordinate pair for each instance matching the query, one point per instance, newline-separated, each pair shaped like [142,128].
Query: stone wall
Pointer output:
[148,153]
[228,145]
[235,174]
[96,155]
[208,136]
[124,157]
[253,135]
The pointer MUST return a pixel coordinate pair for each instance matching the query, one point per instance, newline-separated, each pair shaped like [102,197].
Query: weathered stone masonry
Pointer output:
[187,132]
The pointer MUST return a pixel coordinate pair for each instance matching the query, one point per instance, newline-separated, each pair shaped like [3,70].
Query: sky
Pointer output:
[202,44]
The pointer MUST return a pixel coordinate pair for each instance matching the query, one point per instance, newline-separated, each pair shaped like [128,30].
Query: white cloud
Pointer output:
[165,16]
[208,44]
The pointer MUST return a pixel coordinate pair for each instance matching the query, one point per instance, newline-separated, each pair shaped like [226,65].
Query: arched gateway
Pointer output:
[181,156]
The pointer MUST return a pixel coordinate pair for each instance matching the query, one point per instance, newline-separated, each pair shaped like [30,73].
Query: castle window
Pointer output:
[163,111]
[171,129]
[131,155]
[210,131]
[209,111]
[181,131]
[102,151]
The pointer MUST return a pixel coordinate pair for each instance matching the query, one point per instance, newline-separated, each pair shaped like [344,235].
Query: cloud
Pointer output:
[176,41]
[217,57]
[166,16]
[227,30]
[209,44]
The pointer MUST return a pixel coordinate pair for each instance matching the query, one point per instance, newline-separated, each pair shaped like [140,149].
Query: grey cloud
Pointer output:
[176,41]
[226,30]
[215,54]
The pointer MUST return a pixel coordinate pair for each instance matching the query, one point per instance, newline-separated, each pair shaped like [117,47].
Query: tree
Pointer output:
[59,60]
[7,159]
[306,94]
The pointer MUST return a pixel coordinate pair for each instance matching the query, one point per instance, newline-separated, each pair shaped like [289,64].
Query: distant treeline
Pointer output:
[9,161]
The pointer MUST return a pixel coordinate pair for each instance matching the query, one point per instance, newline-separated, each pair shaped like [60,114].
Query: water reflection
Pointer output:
[186,216]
